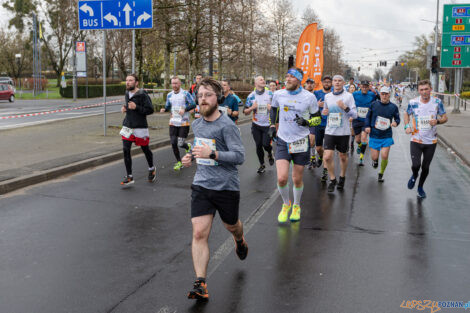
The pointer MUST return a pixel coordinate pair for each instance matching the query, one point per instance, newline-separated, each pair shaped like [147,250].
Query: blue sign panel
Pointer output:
[460,40]
[461,12]
[115,14]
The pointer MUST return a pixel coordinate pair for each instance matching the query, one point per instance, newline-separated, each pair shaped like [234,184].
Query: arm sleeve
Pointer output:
[190,103]
[236,151]
[352,108]
[274,115]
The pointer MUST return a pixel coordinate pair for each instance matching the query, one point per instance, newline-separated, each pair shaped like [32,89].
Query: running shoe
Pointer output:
[152,175]
[319,162]
[375,164]
[282,217]
[178,166]
[128,180]
[324,176]
[241,249]
[271,159]
[199,291]
[312,163]
[332,185]
[411,182]
[421,193]
[189,147]
[295,215]
[341,182]
[381,178]
[261,169]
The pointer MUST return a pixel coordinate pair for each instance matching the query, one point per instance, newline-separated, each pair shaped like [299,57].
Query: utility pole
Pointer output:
[104,80]
[435,78]
[133,51]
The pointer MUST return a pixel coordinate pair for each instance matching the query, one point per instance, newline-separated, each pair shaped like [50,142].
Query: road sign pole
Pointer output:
[74,78]
[133,51]
[457,84]
[104,80]
[435,80]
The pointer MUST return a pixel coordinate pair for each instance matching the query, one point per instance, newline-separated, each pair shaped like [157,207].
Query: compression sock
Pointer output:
[298,194]
[383,165]
[284,191]
[363,147]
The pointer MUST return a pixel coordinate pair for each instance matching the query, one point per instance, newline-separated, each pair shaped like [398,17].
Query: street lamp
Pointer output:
[18,61]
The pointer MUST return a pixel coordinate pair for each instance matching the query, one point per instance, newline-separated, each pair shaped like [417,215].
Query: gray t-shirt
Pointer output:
[224,136]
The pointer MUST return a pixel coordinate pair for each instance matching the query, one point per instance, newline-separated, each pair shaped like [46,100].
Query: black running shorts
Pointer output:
[179,131]
[207,201]
[339,143]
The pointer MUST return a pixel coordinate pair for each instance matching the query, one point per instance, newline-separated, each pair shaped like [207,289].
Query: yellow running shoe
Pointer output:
[282,217]
[295,215]
[178,166]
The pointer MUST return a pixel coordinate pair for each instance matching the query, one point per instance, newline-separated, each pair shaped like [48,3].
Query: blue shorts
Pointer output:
[282,153]
[377,144]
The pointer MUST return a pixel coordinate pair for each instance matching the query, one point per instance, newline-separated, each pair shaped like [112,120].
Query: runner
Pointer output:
[363,100]
[273,86]
[194,94]
[218,149]
[179,102]
[351,83]
[380,116]
[135,128]
[310,86]
[320,129]
[295,109]
[259,102]
[421,117]
[230,104]
[339,106]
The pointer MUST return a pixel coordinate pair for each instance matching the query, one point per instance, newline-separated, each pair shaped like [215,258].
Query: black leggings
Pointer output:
[427,151]
[262,140]
[126,148]
[176,144]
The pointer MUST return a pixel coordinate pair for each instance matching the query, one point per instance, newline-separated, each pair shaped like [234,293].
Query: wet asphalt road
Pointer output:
[82,244]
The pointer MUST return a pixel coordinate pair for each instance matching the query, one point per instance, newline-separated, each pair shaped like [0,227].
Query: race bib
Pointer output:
[223,110]
[262,109]
[211,143]
[126,132]
[423,122]
[382,123]
[362,112]
[298,146]
[335,119]
[175,113]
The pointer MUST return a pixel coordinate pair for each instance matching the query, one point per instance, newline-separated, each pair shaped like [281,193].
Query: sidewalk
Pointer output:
[38,153]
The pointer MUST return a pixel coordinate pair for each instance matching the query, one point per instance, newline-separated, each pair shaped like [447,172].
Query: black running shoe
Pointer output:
[128,180]
[152,175]
[332,185]
[341,182]
[271,159]
[241,249]
[375,164]
[324,176]
[319,162]
[199,291]
[261,169]
[381,178]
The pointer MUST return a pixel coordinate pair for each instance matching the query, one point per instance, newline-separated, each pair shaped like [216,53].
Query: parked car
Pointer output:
[7,80]
[7,92]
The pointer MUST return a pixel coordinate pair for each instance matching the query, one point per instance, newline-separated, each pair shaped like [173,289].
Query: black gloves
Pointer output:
[300,121]
[272,132]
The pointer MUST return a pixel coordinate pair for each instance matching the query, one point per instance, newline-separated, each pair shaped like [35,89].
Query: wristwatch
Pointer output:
[212,155]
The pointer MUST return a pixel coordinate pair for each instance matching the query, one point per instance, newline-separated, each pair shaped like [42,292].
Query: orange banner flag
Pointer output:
[309,56]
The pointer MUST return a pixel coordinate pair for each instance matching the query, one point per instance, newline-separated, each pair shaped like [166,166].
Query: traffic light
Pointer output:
[396,63]
[290,63]
[359,69]
[434,64]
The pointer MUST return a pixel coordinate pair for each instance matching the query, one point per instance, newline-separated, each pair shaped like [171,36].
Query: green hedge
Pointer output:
[466,85]
[93,91]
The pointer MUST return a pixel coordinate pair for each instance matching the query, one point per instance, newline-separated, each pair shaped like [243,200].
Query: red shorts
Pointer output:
[138,141]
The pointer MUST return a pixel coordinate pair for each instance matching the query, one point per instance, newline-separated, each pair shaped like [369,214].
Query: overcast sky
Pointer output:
[370,30]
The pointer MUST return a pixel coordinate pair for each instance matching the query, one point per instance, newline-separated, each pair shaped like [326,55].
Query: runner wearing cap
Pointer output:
[320,129]
[381,115]
[363,100]
[310,86]
[339,106]
[421,117]
[295,109]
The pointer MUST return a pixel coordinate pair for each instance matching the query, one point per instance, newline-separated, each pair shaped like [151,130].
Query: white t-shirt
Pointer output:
[420,114]
[338,120]
[260,115]
[301,103]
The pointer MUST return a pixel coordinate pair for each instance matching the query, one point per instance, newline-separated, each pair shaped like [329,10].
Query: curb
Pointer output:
[33,179]
[460,155]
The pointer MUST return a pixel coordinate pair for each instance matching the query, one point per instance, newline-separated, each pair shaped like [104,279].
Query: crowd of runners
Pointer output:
[294,126]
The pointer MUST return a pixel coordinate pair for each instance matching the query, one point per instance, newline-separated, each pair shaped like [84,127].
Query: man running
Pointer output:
[135,128]
[295,109]
[363,100]
[259,102]
[421,117]
[230,105]
[320,129]
[310,87]
[381,115]
[194,94]
[179,102]
[218,149]
[339,106]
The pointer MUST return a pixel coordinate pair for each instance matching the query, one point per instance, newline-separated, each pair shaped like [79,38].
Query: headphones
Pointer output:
[220,94]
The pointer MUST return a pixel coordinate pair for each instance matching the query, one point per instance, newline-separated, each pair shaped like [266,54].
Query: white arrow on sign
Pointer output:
[109,17]
[127,9]
[86,8]
[143,17]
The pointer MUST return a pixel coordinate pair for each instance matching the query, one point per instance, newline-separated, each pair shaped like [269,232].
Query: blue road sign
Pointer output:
[115,14]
